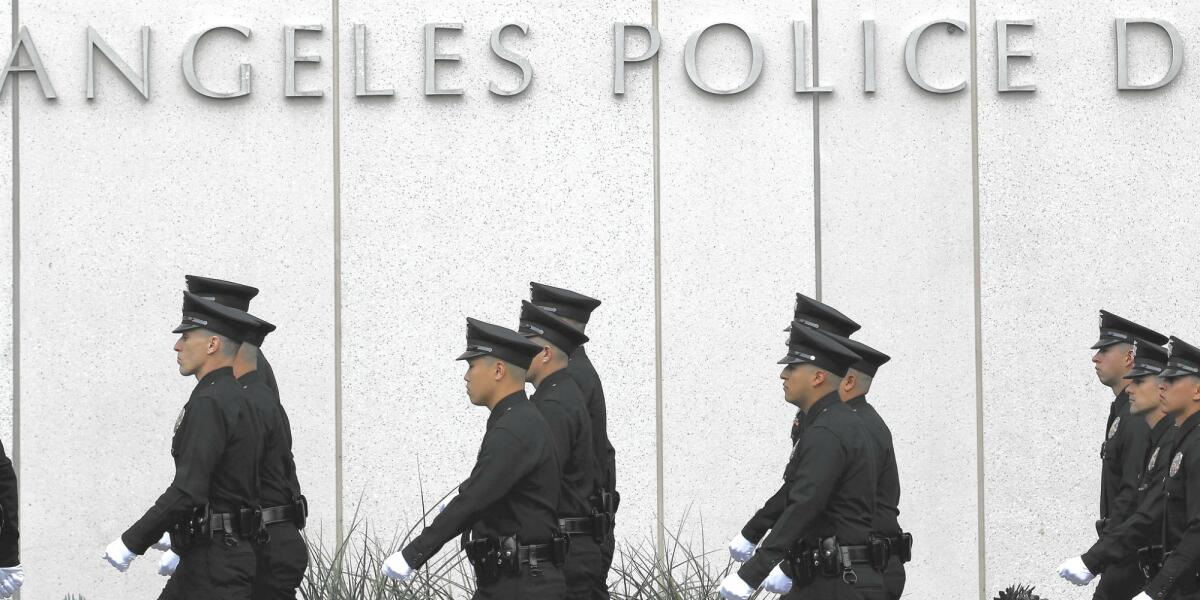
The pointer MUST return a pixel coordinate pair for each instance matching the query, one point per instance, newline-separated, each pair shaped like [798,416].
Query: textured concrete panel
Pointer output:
[451,206]
[7,425]
[1087,202]
[120,197]
[737,243]
[896,256]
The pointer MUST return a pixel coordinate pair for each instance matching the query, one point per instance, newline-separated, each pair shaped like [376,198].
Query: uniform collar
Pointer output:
[214,375]
[252,377]
[1164,425]
[857,401]
[553,378]
[505,405]
[821,406]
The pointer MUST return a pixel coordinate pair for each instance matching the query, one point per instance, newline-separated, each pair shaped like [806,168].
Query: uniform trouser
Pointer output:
[220,569]
[868,586]
[1121,581]
[546,583]
[281,563]
[584,570]
[894,578]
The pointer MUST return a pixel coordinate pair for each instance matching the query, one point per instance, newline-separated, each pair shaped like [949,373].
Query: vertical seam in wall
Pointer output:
[978,295]
[816,98]
[337,271]
[16,268]
[660,502]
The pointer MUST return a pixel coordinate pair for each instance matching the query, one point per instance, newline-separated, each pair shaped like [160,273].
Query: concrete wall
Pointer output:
[974,235]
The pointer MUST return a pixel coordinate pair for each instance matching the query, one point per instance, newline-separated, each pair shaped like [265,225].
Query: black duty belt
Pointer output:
[241,523]
[857,554]
[538,553]
[577,525]
[279,514]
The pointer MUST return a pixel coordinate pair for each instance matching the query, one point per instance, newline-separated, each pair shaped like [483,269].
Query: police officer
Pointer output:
[237,296]
[561,403]
[576,309]
[1125,447]
[1180,392]
[12,574]
[210,505]
[832,497]
[822,317]
[1131,539]
[507,508]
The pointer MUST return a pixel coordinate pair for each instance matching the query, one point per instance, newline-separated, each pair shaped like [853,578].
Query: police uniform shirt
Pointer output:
[217,448]
[1182,512]
[277,475]
[1144,526]
[887,499]
[1127,439]
[561,403]
[513,489]
[9,533]
[581,370]
[833,492]
[765,517]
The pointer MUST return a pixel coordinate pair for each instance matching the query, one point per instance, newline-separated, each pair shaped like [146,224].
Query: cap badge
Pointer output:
[549,309]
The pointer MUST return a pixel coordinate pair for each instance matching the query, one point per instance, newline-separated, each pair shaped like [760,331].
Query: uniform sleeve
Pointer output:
[766,516]
[1187,553]
[1133,453]
[822,459]
[10,535]
[197,447]
[503,460]
[1122,540]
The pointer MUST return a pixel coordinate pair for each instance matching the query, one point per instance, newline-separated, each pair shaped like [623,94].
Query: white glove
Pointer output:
[11,579]
[397,568]
[118,555]
[777,582]
[741,548]
[733,588]
[164,543]
[1143,596]
[168,563]
[1075,571]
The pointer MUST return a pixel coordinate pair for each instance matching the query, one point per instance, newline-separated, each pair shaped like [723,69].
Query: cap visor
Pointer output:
[185,327]
[1173,372]
[1105,342]
[790,360]
[788,328]
[1135,373]
[469,354]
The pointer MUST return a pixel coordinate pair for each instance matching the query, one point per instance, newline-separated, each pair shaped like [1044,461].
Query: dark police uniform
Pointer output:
[1181,532]
[281,553]
[561,402]
[577,307]
[9,526]
[832,497]
[822,317]
[1128,542]
[209,505]
[1122,455]
[507,509]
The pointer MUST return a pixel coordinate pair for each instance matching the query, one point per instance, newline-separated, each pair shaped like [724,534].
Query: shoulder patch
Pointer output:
[1178,460]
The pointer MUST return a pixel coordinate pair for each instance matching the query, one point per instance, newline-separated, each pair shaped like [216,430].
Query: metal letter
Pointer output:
[24,40]
[910,56]
[432,58]
[189,66]
[619,58]
[290,60]
[507,55]
[1123,54]
[140,83]
[360,65]
[799,41]
[869,57]
[756,61]
[1003,54]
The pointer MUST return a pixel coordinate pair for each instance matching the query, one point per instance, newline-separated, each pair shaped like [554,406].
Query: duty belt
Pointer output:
[245,523]
[279,514]
[577,525]
[494,557]
[883,548]
[827,558]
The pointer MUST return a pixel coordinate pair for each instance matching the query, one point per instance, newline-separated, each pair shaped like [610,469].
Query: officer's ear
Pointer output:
[214,345]
[499,370]
[849,382]
[1128,361]
[819,377]
[1195,388]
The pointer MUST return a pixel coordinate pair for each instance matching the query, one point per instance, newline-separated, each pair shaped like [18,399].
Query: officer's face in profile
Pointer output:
[799,379]
[481,378]
[1112,363]
[540,361]
[1179,394]
[191,350]
[1143,395]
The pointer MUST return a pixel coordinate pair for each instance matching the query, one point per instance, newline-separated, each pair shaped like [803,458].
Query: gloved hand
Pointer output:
[777,582]
[11,579]
[741,549]
[118,555]
[1075,571]
[168,563]
[1143,596]
[164,543]
[397,568]
[733,588]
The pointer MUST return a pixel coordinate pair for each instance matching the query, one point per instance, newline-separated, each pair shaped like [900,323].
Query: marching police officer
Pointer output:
[12,574]
[576,309]
[1132,538]
[1180,393]
[822,317]
[1125,447]
[507,508]
[825,528]
[561,403]
[210,505]
[236,296]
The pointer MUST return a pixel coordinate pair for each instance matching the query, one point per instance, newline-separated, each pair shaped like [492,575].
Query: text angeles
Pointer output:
[25,58]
